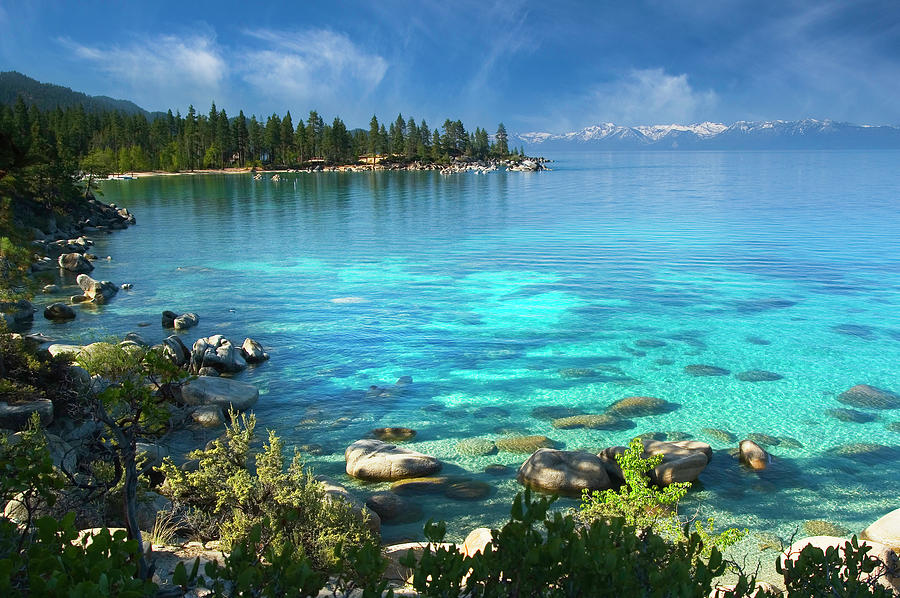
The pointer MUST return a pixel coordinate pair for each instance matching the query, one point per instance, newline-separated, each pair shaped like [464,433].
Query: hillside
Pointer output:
[48,96]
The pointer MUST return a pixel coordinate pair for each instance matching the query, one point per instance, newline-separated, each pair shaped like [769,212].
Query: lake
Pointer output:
[501,293]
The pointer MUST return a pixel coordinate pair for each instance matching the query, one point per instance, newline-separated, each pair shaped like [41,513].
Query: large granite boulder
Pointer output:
[216,352]
[886,531]
[75,262]
[186,321]
[98,291]
[683,461]
[224,392]
[870,397]
[17,415]
[563,472]
[60,348]
[253,352]
[176,351]
[887,572]
[753,456]
[524,444]
[59,312]
[371,459]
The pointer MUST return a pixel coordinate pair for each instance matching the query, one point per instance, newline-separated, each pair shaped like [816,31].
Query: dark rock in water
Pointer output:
[577,373]
[468,490]
[663,361]
[491,413]
[75,262]
[59,312]
[394,508]
[819,527]
[764,439]
[640,406]
[758,376]
[186,321]
[758,305]
[554,412]
[316,450]
[867,453]
[403,381]
[705,370]
[894,426]
[851,416]
[424,485]
[602,421]
[677,436]
[394,434]
[524,444]
[863,395]
[755,340]
[476,447]
[497,469]
[168,319]
[651,436]
[789,443]
[723,436]
[857,330]
[649,343]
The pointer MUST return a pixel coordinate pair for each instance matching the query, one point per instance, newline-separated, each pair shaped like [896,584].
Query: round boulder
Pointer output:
[208,416]
[865,396]
[705,370]
[253,352]
[523,444]
[468,490]
[563,472]
[683,461]
[476,447]
[394,434]
[222,392]
[753,455]
[17,416]
[639,406]
[370,459]
[59,312]
[74,262]
[217,352]
[98,291]
[886,531]
[476,541]
[186,321]
[758,376]
[593,421]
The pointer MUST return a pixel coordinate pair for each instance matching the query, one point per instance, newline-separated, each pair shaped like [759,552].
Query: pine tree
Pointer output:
[500,145]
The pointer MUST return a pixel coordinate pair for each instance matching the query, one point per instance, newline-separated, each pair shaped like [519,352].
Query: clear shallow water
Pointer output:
[483,287]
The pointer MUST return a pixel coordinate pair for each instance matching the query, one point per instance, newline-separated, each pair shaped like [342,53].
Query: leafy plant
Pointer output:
[841,573]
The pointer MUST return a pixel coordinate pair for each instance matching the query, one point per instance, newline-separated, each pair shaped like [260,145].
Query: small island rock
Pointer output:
[563,472]
[753,455]
[370,459]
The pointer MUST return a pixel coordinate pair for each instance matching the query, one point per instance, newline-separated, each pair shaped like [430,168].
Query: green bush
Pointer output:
[27,374]
[830,573]
[228,497]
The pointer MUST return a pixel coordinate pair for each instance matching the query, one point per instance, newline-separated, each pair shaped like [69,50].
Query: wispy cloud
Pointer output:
[649,96]
[161,70]
[311,66]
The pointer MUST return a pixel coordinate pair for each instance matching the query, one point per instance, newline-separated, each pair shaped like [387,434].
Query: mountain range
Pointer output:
[48,96]
[776,134]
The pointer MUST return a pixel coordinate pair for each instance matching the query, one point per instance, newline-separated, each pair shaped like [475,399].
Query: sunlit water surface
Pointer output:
[487,288]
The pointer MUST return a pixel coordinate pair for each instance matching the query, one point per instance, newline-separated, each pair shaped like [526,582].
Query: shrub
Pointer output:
[27,374]
[234,498]
[829,573]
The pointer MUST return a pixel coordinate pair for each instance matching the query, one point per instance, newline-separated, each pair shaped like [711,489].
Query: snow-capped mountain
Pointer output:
[778,134]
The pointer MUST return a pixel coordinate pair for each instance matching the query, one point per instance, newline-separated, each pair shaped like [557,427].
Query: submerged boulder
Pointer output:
[524,444]
[705,370]
[224,392]
[370,459]
[563,472]
[593,421]
[758,376]
[639,406]
[59,312]
[866,396]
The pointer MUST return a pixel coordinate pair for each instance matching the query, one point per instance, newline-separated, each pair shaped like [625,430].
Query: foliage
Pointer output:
[236,496]
[644,505]
[566,559]
[831,573]
[27,374]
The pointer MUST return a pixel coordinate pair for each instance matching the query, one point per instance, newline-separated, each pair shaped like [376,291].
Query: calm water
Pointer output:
[484,287]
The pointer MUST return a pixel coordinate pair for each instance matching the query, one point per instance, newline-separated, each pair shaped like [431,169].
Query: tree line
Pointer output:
[117,141]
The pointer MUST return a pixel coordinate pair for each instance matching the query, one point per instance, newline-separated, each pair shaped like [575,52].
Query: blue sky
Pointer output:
[552,66]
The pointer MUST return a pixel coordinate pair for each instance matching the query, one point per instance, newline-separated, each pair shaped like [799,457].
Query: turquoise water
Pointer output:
[483,287]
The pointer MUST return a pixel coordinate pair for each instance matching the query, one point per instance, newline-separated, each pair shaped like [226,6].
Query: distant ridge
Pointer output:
[48,96]
[778,134]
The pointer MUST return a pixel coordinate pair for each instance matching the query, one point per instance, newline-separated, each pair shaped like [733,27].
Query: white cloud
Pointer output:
[312,66]
[160,71]
[649,96]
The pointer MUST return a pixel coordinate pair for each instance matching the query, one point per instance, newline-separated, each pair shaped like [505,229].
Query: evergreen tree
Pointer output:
[287,137]
[501,148]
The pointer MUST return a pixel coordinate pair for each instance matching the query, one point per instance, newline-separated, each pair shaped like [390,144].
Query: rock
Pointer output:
[602,421]
[253,352]
[60,348]
[850,416]
[524,444]
[865,396]
[894,426]
[216,352]
[764,439]
[89,533]
[126,286]
[426,485]
[59,312]
[497,469]
[17,416]
[76,299]
[149,507]
[394,434]
[577,373]
[476,541]
[403,381]
[16,509]
[401,574]
[154,453]
[649,343]
[887,573]
[758,376]
[468,490]
[208,416]
[548,412]
[168,319]
[223,392]
[186,321]
[789,443]
[476,447]
[208,371]
[563,472]
[370,459]
[705,370]
[755,340]
[49,289]
[17,313]
[753,455]
[389,506]
[639,406]
[98,291]
[820,527]
[723,436]
[176,351]
[885,531]
[334,491]
[683,461]
[75,262]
